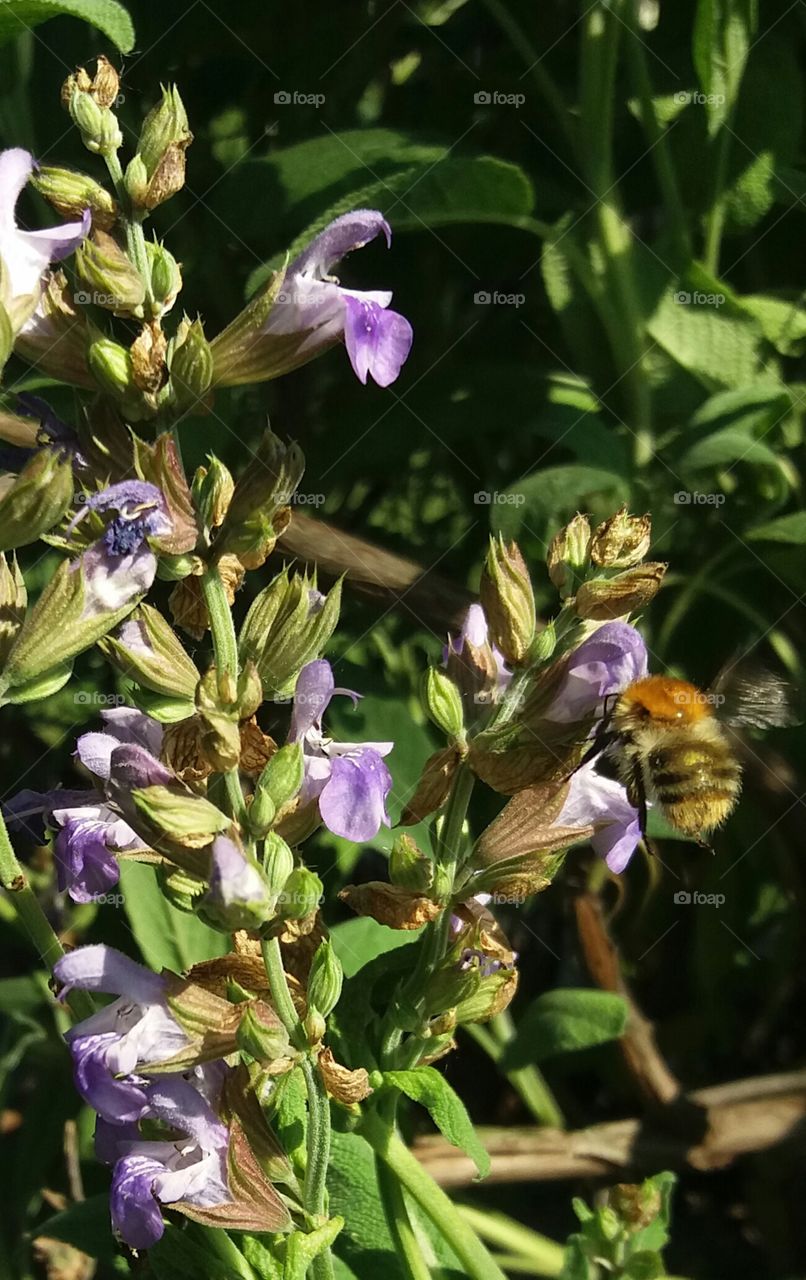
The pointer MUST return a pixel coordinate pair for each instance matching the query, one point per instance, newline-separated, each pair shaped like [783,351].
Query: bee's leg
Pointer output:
[599,744]
[636,794]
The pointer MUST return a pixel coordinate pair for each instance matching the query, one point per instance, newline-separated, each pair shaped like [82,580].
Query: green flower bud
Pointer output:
[569,555]
[315,1026]
[71,193]
[136,179]
[13,599]
[114,283]
[36,500]
[409,866]
[259,510]
[288,625]
[212,492]
[278,863]
[444,703]
[148,650]
[182,889]
[187,820]
[191,366]
[301,895]
[98,127]
[166,278]
[545,643]
[508,601]
[325,979]
[164,139]
[277,785]
[262,1035]
[111,365]
[43,686]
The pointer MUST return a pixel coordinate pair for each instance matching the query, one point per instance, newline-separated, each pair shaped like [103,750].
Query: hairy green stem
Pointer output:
[29,912]
[545,1256]
[476,1260]
[225,647]
[318,1131]
[400,1227]
[133,227]
[715,220]
[528,1082]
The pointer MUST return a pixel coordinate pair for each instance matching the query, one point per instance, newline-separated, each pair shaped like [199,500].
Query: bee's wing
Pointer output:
[746,693]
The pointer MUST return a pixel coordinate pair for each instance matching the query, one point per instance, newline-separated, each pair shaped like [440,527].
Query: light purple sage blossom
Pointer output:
[610,659]
[120,566]
[476,632]
[108,1047]
[190,1168]
[84,850]
[350,781]
[378,340]
[238,897]
[26,255]
[595,800]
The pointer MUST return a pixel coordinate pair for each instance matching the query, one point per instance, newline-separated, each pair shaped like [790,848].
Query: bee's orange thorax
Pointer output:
[661,698]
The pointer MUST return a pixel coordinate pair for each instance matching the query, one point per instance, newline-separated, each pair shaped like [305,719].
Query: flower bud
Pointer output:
[622,541]
[182,889]
[71,193]
[164,139]
[36,500]
[187,820]
[98,127]
[13,599]
[212,492]
[259,510]
[191,367]
[261,1033]
[569,554]
[288,625]
[443,702]
[166,278]
[278,863]
[115,283]
[602,599]
[147,650]
[279,782]
[409,866]
[239,896]
[135,179]
[111,365]
[300,896]
[325,979]
[545,643]
[508,601]
[315,1026]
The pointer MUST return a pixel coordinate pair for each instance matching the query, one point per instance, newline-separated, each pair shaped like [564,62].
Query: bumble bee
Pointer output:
[672,748]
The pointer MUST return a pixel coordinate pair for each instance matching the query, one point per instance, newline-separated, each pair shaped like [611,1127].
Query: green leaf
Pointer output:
[168,939]
[791,528]
[706,331]
[783,322]
[86,1226]
[18,16]
[723,36]
[356,942]
[426,1086]
[355,1196]
[562,1021]
[727,447]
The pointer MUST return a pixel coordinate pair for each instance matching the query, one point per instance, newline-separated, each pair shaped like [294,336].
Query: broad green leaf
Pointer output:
[426,1086]
[752,409]
[791,528]
[182,1253]
[723,35]
[17,16]
[354,1195]
[562,1021]
[86,1226]
[708,334]
[783,323]
[23,995]
[168,939]
[550,494]
[727,447]
[356,942]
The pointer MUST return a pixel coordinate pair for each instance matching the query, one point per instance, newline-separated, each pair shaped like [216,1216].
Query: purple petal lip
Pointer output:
[609,660]
[378,341]
[595,800]
[353,801]
[350,231]
[102,968]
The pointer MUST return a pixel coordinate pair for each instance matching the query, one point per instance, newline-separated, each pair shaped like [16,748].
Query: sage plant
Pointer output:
[193,1076]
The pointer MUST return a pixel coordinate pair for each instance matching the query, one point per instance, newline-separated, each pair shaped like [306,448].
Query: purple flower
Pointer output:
[378,340]
[88,837]
[123,726]
[350,781]
[189,1166]
[120,566]
[476,633]
[136,1029]
[26,255]
[595,800]
[238,897]
[610,659]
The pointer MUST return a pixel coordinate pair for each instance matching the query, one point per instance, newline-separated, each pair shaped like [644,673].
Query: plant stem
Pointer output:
[545,1255]
[135,239]
[318,1131]
[30,914]
[715,222]
[225,648]
[477,1262]
[400,1226]
[528,1081]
